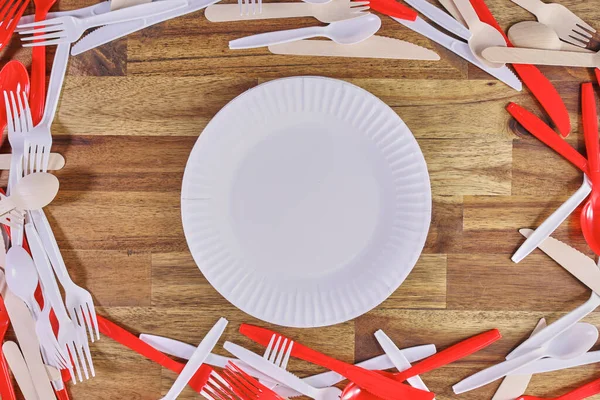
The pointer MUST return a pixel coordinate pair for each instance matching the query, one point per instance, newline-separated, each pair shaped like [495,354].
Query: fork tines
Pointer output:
[581,36]
[279,350]
[234,384]
[10,13]
[245,6]
[44,33]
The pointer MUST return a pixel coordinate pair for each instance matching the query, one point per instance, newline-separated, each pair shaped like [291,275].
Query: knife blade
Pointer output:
[441,18]
[398,359]
[462,49]
[540,86]
[112,32]
[514,386]
[578,264]
[373,47]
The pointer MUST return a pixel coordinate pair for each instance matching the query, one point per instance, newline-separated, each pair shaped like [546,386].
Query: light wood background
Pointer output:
[132,110]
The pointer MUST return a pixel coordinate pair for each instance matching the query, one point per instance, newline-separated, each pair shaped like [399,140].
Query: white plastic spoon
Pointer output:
[571,343]
[22,277]
[348,31]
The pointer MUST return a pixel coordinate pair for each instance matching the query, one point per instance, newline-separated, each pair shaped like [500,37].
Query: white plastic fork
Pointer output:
[245,7]
[279,352]
[69,29]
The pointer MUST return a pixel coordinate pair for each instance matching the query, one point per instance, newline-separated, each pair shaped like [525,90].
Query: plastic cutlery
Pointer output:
[557,327]
[6,387]
[10,12]
[69,29]
[567,25]
[515,385]
[281,375]
[534,35]
[400,362]
[96,9]
[535,238]
[440,17]
[544,133]
[12,76]
[462,49]
[335,10]
[452,10]
[482,35]
[393,9]
[349,31]
[590,223]
[17,364]
[451,354]
[31,192]
[233,384]
[571,343]
[197,358]
[583,392]
[540,86]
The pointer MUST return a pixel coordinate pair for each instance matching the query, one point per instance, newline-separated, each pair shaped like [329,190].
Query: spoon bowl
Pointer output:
[35,191]
[354,30]
[21,275]
[574,342]
[534,35]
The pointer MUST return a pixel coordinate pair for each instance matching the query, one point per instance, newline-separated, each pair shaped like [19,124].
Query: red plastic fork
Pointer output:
[245,386]
[131,341]
[11,12]
[6,388]
[583,392]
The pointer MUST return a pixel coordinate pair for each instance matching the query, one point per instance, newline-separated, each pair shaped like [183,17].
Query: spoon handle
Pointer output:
[590,126]
[468,12]
[272,38]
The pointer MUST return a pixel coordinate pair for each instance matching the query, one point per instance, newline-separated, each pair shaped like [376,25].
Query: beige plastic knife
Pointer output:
[514,55]
[56,162]
[18,367]
[374,47]
[514,386]
[578,264]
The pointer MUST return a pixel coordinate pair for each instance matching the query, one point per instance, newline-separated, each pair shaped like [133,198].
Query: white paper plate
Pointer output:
[306,201]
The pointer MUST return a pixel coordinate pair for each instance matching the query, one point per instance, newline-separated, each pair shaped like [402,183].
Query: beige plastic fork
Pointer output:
[335,10]
[567,25]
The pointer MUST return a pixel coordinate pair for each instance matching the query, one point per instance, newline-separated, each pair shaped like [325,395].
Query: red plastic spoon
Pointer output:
[13,75]
[590,224]
[583,392]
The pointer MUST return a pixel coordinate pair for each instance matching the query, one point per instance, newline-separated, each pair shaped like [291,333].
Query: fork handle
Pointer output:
[135,12]
[57,77]
[533,6]
[44,231]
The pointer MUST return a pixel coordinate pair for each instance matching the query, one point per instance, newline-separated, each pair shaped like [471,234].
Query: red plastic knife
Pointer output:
[394,9]
[532,77]
[371,381]
[544,133]
[131,341]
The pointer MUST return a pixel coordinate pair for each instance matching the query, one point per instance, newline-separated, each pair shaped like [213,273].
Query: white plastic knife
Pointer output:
[514,386]
[462,49]
[322,380]
[196,360]
[399,361]
[578,264]
[441,18]
[84,12]
[107,34]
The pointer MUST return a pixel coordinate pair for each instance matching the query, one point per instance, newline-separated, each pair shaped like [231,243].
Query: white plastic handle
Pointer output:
[272,38]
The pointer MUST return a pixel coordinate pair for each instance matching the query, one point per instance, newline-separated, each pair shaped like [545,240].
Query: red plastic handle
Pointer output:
[452,353]
[393,9]
[375,383]
[583,392]
[62,394]
[540,86]
[543,132]
[131,341]
[597,70]
[590,126]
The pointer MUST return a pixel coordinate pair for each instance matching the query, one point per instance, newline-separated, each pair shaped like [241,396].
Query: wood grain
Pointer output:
[132,110]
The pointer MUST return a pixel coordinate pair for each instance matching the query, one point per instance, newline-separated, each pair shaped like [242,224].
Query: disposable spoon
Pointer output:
[348,31]
[32,192]
[534,35]
[22,277]
[482,35]
[589,225]
[572,343]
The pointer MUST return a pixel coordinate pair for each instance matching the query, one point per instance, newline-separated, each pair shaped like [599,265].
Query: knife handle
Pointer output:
[131,341]
[583,392]
[451,354]
[590,126]
[543,132]
[541,88]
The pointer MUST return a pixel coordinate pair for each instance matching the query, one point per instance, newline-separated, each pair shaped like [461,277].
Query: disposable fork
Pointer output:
[245,6]
[234,384]
[10,13]
[69,29]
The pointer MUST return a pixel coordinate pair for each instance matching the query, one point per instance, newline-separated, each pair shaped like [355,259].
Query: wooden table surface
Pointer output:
[132,110]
